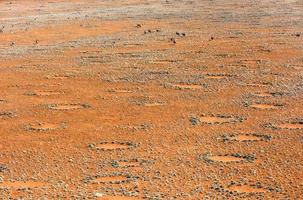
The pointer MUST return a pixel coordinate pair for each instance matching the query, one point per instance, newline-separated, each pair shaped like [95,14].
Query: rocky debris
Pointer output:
[181,34]
[3,168]
[7,114]
[195,120]
[173,40]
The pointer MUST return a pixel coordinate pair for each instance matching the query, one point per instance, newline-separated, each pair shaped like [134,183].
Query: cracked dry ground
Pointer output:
[129,99]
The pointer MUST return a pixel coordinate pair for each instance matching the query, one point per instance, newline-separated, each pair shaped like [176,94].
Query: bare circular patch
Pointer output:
[67,106]
[187,87]
[268,94]
[163,61]
[42,127]
[44,93]
[121,91]
[246,189]
[263,94]
[228,158]
[263,106]
[110,146]
[246,137]
[225,159]
[60,77]
[126,163]
[216,119]
[155,104]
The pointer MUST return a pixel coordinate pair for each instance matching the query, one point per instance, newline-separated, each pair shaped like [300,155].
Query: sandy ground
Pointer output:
[151,99]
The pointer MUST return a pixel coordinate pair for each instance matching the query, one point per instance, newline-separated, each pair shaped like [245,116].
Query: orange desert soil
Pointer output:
[151,99]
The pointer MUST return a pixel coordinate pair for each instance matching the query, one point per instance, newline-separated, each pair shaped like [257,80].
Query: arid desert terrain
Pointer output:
[151,99]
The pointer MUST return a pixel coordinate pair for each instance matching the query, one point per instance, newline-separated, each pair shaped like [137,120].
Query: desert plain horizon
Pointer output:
[151,99]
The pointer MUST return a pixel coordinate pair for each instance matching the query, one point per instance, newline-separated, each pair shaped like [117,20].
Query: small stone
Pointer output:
[99,194]
[194,120]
